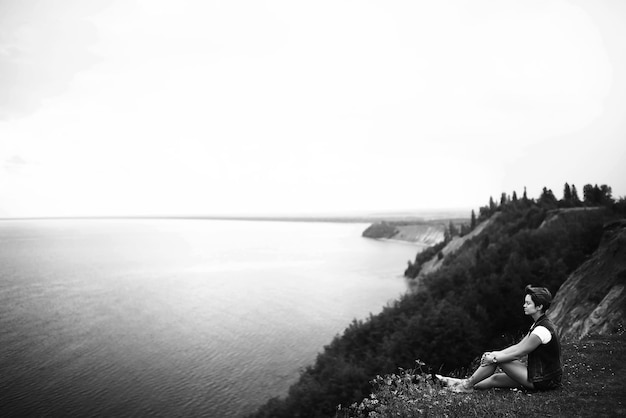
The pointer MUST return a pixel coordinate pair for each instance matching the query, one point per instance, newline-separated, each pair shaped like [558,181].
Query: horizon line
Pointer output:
[312,217]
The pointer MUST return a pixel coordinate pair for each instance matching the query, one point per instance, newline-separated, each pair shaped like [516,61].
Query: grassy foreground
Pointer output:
[593,386]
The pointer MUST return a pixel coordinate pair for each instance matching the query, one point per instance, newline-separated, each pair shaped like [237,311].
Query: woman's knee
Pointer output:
[517,372]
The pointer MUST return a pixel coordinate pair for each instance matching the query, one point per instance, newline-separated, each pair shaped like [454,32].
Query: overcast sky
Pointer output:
[198,107]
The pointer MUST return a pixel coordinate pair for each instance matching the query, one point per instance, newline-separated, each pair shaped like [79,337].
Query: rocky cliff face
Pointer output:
[424,233]
[453,246]
[593,299]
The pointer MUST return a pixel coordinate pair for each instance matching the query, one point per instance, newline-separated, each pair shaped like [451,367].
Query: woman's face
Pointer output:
[529,306]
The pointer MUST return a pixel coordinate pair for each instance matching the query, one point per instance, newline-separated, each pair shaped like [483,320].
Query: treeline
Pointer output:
[593,196]
[471,304]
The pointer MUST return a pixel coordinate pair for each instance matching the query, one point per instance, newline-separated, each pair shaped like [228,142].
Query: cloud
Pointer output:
[43,45]
[14,164]
[15,160]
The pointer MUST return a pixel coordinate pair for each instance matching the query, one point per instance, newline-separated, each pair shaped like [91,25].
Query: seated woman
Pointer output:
[541,344]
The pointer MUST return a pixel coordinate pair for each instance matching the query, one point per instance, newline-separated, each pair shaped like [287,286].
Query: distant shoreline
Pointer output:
[404,242]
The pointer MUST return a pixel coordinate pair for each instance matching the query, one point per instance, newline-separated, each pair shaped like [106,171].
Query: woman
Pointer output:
[544,370]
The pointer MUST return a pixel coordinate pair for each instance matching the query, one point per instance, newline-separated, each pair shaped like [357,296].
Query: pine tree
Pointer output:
[453,230]
[547,198]
[567,193]
[566,202]
[575,199]
[473,221]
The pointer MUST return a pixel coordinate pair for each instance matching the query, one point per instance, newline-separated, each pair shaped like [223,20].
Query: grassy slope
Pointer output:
[594,371]
[594,378]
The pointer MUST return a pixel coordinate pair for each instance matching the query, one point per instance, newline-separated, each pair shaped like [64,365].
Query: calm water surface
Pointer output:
[177,317]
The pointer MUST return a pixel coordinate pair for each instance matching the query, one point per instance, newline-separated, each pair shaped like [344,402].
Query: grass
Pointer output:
[593,386]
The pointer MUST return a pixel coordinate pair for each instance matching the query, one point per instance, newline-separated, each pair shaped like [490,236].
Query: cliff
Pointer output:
[428,233]
[593,298]
[467,296]
[452,247]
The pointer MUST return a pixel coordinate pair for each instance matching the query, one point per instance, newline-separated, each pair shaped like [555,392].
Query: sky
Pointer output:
[195,107]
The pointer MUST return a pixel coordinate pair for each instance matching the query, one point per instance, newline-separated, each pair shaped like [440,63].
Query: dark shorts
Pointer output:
[548,384]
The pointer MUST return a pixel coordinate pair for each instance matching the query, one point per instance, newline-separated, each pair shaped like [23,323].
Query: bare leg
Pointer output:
[518,372]
[515,376]
[482,373]
[498,380]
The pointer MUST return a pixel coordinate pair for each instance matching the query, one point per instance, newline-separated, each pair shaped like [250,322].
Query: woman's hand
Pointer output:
[486,359]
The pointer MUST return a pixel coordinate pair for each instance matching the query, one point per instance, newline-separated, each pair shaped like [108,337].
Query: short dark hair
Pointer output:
[540,296]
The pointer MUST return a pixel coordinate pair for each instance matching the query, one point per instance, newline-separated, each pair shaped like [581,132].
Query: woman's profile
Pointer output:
[541,344]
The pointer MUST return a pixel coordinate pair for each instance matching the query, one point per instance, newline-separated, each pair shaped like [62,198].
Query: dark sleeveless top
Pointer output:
[544,363]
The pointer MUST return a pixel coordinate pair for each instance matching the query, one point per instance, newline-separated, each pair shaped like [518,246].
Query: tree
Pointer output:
[525,196]
[454,231]
[594,195]
[606,193]
[484,213]
[514,196]
[473,221]
[588,195]
[575,199]
[450,232]
[567,193]
[566,201]
[547,199]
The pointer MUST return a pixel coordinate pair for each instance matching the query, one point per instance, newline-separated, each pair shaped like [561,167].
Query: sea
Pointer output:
[177,317]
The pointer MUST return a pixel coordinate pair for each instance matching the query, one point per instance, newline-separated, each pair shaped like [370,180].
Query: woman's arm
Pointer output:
[511,349]
[527,345]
